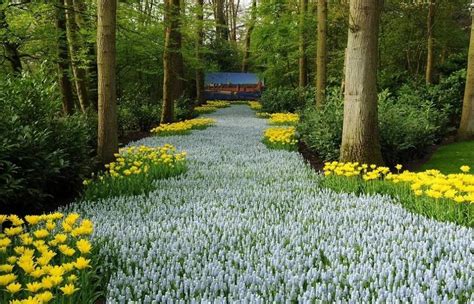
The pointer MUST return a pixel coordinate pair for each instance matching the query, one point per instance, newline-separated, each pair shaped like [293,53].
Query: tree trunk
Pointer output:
[360,135]
[245,61]
[222,31]
[200,38]
[75,45]
[430,55]
[107,144]
[321,53]
[11,49]
[466,128]
[303,72]
[172,61]
[63,60]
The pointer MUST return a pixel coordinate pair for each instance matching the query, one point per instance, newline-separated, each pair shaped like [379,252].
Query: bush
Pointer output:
[184,109]
[135,114]
[43,156]
[408,126]
[286,100]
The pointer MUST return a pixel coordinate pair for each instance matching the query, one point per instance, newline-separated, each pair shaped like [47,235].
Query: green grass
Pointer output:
[450,157]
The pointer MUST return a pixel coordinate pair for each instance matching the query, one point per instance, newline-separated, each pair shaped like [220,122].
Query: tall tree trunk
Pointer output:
[245,61]
[84,21]
[466,128]
[11,48]
[200,38]
[65,86]
[75,45]
[321,53]
[172,61]
[222,31]
[360,135]
[303,71]
[430,55]
[107,144]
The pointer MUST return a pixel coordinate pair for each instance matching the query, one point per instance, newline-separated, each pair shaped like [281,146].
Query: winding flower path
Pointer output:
[251,224]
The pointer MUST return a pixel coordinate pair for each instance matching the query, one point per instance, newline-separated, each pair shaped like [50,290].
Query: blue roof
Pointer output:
[231,78]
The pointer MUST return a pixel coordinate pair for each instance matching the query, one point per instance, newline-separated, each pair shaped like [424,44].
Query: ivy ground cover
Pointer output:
[253,224]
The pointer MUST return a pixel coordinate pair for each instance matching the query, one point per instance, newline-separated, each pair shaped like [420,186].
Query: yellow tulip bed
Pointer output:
[280,138]
[284,119]
[444,197]
[46,259]
[182,127]
[255,105]
[134,170]
[263,115]
[205,109]
[218,104]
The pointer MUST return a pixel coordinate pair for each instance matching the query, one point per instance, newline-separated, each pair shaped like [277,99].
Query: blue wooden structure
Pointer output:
[232,86]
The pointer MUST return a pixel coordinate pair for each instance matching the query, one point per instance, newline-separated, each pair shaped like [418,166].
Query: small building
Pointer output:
[232,86]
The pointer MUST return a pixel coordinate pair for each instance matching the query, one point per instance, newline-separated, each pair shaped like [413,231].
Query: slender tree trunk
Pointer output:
[321,53]
[222,31]
[11,49]
[107,144]
[245,61]
[172,61]
[200,37]
[75,45]
[430,55]
[63,61]
[360,135]
[466,128]
[303,71]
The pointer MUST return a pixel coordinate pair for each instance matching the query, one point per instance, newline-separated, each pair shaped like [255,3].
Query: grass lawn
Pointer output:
[449,158]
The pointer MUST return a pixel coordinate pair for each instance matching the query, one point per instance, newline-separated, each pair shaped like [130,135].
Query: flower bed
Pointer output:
[218,104]
[134,170]
[284,119]
[205,109]
[182,127]
[280,138]
[444,197]
[46,259]
[255,105]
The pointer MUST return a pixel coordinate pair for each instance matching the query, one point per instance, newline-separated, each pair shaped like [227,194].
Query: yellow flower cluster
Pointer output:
[280,137]
[43,258]
[218,103]
[182,127]
[262,115]
[205,109]
[139,159]
[284,119]
[430,183]
[255,105]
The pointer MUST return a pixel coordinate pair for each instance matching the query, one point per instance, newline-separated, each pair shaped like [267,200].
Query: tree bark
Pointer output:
[248,36]
[172,61]
[321,53]
[430,55]
[75,45]
[466,128]
[107,144]
[303,71]
[200,38]
[11,48]
[222,31]
[360,135]
[65,85]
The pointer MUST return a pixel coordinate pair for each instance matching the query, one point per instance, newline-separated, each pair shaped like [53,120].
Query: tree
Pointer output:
[172,61]
[302,71]
[321,53]
[429,50]
[200,38]
[65,86]
[466,128]
[250,27]
[360,135]
[75,46]
[10,46]
[222,31]
[107,144]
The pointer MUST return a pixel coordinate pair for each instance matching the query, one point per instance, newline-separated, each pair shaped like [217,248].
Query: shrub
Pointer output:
[286,99]
[184,109]
[43,156]
[408,126]
[136,114]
